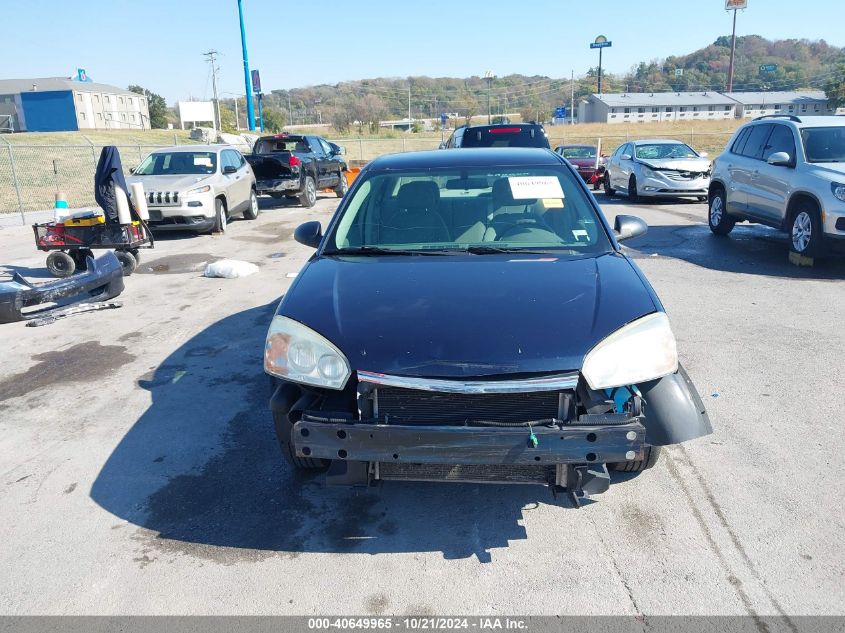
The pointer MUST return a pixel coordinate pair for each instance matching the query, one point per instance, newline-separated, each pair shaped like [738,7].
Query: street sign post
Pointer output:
[601,42]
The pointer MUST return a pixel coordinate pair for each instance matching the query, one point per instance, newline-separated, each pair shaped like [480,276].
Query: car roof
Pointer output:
[805,121]
[568,145]
[495,125]
[469,157]
[194,148]
[657,141]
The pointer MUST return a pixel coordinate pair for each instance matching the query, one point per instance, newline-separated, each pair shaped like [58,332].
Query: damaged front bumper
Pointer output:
[21,300]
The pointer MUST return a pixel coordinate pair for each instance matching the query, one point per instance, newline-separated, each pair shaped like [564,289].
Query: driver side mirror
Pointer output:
[442,145]
[780,159]
[703,154]
[309,234]
[337,150]
[131,170]
[628,226]
[625,157]
[229,169]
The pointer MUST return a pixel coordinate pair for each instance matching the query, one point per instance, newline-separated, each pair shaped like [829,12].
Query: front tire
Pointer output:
[608,190]
[633,195]
[342,185]
[251,212]
[220,217]
[717,216]
[308,197]
[60,264]
[284,429]
[806,232]
[650,456]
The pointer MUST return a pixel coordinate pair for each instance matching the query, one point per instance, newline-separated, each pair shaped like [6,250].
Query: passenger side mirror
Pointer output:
[780,159]
[131,170]
[229,169]
[309,234]
[703,154]
[337,150]
[628,226]
[442,145]
[625,157]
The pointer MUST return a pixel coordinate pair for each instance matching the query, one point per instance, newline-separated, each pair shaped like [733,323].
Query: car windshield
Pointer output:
[177,163]
[659,151]
[579,152]
[482,210]
[505,136]
[824,144]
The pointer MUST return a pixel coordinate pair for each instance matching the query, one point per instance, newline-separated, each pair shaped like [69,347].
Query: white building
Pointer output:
[654,107]
[754,104]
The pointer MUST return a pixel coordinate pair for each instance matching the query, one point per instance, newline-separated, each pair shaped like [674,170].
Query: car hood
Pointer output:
[681,164]
[467,315]
[830,171]
[168,183]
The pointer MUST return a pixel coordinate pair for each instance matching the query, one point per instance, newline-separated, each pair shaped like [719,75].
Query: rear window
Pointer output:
[285,144]
[505,136]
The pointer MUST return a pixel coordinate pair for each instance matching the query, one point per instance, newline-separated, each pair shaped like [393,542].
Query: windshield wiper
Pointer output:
[490,250]
[378,250]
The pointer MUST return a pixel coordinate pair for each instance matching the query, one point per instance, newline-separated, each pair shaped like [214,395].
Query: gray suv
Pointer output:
[786,172]
[196,187]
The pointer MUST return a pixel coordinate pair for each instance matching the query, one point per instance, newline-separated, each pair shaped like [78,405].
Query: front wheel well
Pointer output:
[714,187]
[794,203]
[222,199]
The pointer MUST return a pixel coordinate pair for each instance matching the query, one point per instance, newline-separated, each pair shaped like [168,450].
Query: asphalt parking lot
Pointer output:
[141,474]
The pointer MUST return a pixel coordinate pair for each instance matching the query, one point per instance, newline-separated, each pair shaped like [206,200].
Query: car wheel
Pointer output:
[136,253]
[608,190]
[308,198]
[60,264]
[127,261]
[717,217]
[342,185]
[252,210]
[284,429]
[806,233]
[220,219]
[633,196]
[650,456]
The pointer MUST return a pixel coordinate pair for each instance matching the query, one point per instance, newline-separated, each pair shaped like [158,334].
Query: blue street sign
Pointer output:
[256,82]
[600,44]
[768,68]
[560,113]
[444,118]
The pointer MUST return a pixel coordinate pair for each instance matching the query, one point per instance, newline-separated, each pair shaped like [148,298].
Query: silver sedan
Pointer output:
[657,168]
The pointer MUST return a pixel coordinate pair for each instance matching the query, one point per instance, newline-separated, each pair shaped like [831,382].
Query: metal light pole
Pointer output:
[731,63]
[250,112]
[489,77]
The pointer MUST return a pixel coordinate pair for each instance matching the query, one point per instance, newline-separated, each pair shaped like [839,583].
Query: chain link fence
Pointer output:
[30,175]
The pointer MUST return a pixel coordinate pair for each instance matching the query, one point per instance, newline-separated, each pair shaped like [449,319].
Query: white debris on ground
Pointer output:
[230,269]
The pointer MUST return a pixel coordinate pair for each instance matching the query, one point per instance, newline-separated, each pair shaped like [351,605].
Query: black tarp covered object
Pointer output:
[110,175]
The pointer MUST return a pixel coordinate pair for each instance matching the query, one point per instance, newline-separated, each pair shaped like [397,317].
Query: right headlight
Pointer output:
[643,350]
[648,173]
[838,190]
[298,353]
[203,189]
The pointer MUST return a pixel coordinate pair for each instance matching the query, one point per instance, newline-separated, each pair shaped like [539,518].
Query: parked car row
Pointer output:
[199,187]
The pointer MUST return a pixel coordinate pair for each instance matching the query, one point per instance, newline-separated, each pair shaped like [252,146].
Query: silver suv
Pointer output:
[196,187]
[786,172]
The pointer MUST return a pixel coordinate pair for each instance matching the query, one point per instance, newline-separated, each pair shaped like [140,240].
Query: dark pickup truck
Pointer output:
[296,166]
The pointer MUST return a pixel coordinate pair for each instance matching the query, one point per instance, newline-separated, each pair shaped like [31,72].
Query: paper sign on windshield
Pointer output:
[523,187]
[202,161]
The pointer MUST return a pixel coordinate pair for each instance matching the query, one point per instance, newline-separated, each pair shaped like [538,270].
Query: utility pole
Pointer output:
[237,120]
[489,77]
[290,111]
[409,106]
[250,113]
[733,50]
[211,57]
[572,99]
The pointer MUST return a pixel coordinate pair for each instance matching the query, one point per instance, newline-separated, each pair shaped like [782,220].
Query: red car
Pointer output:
[583,158]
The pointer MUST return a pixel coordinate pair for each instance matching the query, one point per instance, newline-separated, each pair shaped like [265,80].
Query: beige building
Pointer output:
[754,104]
[654,107]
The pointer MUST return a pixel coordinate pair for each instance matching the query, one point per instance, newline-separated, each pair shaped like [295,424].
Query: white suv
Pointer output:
[786,172]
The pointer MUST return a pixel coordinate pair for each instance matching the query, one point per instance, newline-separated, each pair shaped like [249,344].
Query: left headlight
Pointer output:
[640,351]
[838,190]
[298,353]
[648,173]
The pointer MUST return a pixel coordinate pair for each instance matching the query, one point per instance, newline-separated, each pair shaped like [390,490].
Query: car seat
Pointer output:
[416,218]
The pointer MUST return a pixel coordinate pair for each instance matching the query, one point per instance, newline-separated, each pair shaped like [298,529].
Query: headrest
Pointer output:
[420,193]
[503,197]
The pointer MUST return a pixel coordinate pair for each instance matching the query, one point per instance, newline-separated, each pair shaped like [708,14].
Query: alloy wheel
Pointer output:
[716,211]
[802,232]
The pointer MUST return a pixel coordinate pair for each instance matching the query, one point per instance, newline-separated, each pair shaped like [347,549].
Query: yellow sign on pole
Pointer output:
[735,4]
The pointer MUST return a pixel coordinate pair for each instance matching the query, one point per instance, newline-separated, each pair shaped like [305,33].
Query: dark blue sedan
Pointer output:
[469,316]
